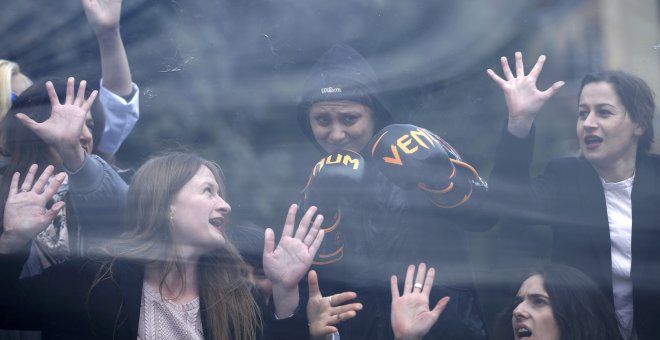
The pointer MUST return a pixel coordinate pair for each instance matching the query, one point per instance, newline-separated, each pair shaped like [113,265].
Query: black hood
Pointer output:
[342,74]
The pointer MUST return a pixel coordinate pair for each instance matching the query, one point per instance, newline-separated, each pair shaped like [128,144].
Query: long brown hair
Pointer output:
[231,311]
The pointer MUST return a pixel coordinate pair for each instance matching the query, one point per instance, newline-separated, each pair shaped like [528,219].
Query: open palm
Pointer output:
[288,263]
[25,213]
[102,14]
[411,316]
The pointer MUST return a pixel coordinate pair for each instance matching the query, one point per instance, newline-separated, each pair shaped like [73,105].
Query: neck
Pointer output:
[617,171]
[175,287]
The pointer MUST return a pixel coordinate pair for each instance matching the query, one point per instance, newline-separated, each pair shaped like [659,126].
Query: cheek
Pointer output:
[578,127]
[320,133]
[550,324]
[363,131]
[316,129]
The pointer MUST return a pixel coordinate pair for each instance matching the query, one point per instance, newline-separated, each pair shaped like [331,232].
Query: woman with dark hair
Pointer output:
[171,274]
[93,189]
[118,95]
[602,205]
[379,222]
[561,303]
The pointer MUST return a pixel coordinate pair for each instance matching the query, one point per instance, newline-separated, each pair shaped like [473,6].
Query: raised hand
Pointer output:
[62,130]
[25,213]
[411,317]
[102,15]
[324,313]
[523,98]
[286,264]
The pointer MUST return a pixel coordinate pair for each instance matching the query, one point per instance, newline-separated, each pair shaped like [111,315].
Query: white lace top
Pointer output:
[163,319]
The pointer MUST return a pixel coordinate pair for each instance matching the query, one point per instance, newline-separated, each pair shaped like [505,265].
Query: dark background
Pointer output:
[223,77]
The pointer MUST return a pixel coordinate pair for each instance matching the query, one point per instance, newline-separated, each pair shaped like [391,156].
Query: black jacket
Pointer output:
[384,229]
[60,301]
[569,196]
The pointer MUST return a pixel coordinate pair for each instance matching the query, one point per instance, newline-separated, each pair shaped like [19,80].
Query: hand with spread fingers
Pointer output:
[286,264]
[411,317]
[63,129]
[324,313]
[102,15]
[26,213]
[523,98]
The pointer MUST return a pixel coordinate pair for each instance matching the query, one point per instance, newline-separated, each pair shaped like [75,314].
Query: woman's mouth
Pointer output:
[523,332]
[592,142]
[217,222]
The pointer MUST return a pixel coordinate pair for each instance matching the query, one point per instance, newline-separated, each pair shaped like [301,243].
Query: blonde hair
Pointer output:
[8,69]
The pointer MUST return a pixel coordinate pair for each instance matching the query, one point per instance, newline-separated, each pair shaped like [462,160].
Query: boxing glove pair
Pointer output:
[409,156]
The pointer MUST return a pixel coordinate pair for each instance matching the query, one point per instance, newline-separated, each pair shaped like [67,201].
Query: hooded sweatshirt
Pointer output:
[342,74]
[385,228]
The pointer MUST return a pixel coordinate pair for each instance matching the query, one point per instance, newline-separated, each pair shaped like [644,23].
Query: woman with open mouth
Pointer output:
[603,204]
[557,302]
[170,275]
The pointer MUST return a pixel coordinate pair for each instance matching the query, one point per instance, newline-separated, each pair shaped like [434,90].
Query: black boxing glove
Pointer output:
[413,157]
[409,155]
[334,178]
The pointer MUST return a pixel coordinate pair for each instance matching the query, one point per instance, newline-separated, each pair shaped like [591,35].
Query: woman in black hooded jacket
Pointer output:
[383,226]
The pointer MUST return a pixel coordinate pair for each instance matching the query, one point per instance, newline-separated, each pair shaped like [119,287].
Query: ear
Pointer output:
[170,214]
[639,131]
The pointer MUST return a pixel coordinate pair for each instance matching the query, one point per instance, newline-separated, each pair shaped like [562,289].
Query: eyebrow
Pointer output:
[533,295]
[598,105]
[205,182]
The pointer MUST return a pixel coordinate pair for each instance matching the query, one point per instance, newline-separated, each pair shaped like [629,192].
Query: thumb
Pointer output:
[269,241]
[313,282]
[553,89]
[27,121]
[440,307]
[55,209]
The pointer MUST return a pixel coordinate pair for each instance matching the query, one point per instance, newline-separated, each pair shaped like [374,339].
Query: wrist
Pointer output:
[11,241]
[72,158]
[407,337]
[520,127]
[285,300]
[323,337]
[107,33]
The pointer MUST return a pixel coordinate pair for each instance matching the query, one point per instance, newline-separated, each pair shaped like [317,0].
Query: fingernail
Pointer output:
[60,177]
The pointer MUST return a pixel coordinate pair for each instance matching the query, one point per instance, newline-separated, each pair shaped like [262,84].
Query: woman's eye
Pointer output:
[604,113]
[89,124]
[583,114]
[323,121]
[349,120]
[540,302]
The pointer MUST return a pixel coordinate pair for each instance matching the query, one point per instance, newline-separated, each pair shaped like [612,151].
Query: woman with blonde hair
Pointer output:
[12,82]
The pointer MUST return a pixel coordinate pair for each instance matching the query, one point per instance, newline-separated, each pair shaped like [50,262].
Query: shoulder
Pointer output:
[653,158]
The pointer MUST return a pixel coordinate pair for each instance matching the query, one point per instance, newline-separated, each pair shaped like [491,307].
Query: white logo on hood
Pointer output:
[331,90]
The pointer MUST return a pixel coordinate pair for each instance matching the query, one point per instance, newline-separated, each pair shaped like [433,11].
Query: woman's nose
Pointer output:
[590,121]
[223,206]
[86,136]
[337,133]
[520,311]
